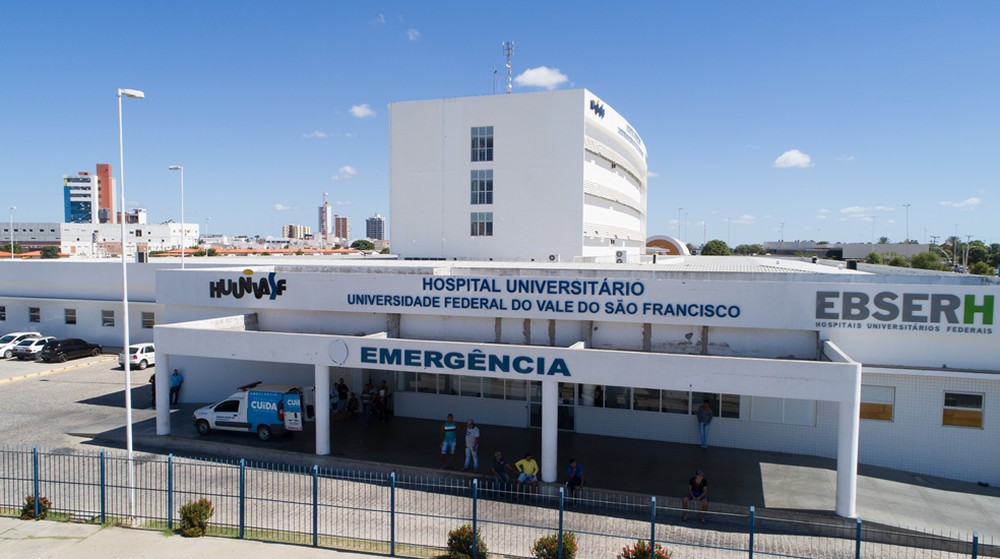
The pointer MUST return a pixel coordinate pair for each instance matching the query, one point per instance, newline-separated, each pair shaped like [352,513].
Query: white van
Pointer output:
[265,409]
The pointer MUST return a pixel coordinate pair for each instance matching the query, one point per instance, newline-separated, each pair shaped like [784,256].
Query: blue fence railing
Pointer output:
[410,515]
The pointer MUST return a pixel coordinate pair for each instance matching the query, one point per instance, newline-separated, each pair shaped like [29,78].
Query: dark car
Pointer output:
[70,348]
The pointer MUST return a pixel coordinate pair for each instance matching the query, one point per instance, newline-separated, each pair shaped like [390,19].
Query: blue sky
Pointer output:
[801,120]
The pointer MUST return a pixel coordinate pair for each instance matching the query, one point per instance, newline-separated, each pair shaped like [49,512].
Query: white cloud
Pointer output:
[315,134]
[543,76]
[745,220]
[362,111]
[652,174]
[967,204]
[845,158]
[412,34]
[379,19]
[885,208]
[855,210]
[824,211]
[282,207]
[350,135]
[821,216]
[793,158]
[344,173]
[891,221]
[343,202]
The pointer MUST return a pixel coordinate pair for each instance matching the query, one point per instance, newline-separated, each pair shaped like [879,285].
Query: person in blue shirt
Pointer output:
[575,472]
[176,380]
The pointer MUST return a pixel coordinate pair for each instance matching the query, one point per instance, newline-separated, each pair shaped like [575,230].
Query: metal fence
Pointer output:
[411,516]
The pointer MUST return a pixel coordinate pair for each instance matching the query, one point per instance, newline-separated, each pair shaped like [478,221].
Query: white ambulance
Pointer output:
[265,409]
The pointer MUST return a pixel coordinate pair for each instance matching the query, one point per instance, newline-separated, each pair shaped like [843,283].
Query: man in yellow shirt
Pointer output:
[528,470]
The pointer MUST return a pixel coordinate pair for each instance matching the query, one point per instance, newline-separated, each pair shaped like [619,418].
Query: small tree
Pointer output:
[981,269]
[194,517]
[715,247]
[873,258]
[460,544]
[547,547]
[926,261]
[898,261]
[363,244]
[50,252]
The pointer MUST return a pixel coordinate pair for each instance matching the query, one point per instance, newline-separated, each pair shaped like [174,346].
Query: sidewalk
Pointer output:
[63,540]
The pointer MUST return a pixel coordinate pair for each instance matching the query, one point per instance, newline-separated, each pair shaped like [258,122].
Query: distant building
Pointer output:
[137,216]
[550,176]
[842,251]
[342,227]
[325,220]
[102,239]
[375,227]
[293,231]
[105,194]
[80,198]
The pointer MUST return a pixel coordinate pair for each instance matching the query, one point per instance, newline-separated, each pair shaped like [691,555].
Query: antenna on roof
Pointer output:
[508,51]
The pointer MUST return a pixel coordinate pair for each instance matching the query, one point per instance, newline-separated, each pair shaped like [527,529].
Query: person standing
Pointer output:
[343,397]
[471,446]
[334,403]
[367,396]
[152,389]
[704,418]
[176,380]
[575,472]
[382,407]
[698,492]
[448,442]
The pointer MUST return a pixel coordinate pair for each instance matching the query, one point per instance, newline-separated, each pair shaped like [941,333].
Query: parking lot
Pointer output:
[41,403]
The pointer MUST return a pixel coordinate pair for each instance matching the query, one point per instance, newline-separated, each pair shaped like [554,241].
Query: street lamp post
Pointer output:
[183,247]
[134,94]
[12,208]
[907,241]
[207,219]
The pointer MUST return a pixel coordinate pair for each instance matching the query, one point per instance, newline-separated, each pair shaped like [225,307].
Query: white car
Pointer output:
[8,342]
[29,348]
[140,356]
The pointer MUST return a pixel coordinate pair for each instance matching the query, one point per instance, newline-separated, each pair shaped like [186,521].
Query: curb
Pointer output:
[77,365]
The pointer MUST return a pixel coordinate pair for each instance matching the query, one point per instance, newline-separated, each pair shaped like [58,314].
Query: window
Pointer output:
[3,312]
[482,224]
[426,382]
[675,401]
[517,390]
[34,314]
[617,397]
[877,402]
[482,143]
[108,318]
[70,316]
[482,186]
[963,410]
[148,320]
[493,388]
[470,386]
[646,399]
[723,405]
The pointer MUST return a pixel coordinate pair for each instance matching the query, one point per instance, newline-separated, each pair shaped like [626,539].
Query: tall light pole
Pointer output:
[134,94]
[207,219]
[183,247]
[12,208]
[907,241]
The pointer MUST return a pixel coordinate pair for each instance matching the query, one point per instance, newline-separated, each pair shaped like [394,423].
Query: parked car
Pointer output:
[140,356]
[70,348]
[8,342]
[28,349]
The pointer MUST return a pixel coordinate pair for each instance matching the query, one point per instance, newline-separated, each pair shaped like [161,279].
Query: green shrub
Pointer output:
[641,551]
[460,544]
[194,517]
[547,547]
[28,510]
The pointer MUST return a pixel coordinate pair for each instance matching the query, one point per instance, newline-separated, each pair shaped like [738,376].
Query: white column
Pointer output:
[162,403]
[848,428]
[322,383]
[550,429]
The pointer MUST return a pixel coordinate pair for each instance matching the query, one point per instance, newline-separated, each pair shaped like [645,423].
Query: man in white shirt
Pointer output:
[471,445]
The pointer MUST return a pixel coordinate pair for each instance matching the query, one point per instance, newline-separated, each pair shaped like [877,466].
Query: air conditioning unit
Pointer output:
[621,257]
[553,258]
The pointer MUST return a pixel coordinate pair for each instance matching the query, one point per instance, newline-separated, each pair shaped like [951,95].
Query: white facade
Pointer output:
[792,352]
[557,175]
